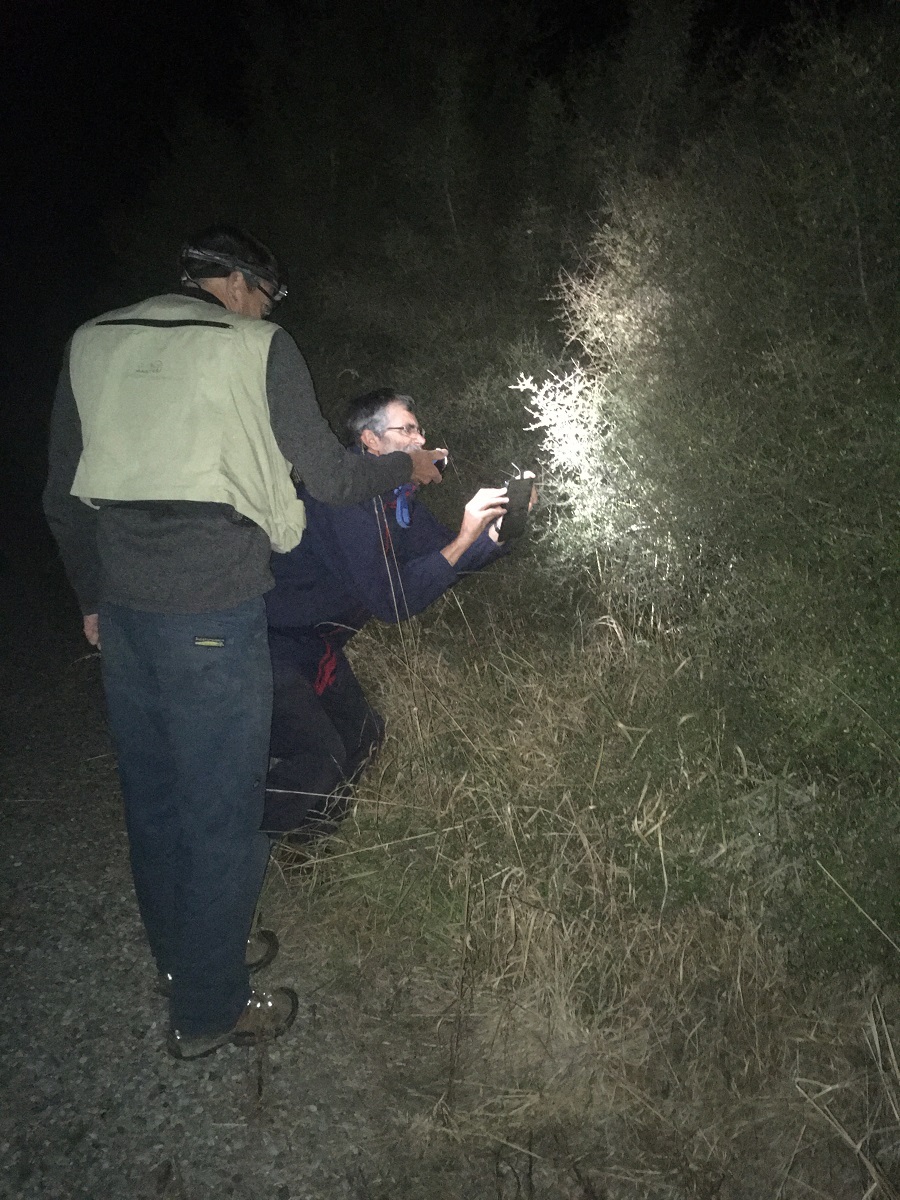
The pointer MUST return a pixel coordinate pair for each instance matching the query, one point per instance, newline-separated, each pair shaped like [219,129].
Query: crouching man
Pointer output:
[388,558]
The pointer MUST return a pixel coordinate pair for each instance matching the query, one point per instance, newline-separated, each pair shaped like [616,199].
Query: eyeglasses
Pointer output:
[409,430]
[273,297]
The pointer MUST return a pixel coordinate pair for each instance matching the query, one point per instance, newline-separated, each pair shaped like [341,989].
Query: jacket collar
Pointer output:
[201,294]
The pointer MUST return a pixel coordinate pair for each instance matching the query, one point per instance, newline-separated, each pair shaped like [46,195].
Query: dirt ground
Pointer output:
[93,1107]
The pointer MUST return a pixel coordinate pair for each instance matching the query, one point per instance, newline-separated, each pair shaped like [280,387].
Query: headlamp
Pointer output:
[254,270]
[276,296]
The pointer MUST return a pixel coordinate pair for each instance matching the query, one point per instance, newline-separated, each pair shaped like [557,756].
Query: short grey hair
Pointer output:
[367,412]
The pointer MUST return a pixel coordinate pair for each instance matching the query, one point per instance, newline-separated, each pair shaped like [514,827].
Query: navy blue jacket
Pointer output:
[357,562]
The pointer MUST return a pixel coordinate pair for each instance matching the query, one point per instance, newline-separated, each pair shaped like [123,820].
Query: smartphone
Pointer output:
[516,516]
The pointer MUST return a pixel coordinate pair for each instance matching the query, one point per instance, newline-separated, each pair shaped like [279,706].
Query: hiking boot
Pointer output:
[266,1016]
[262,947]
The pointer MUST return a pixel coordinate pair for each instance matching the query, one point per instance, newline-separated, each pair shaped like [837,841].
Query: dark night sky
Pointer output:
[91,89]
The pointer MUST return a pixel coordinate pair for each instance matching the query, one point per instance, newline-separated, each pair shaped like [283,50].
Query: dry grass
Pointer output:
[566,882]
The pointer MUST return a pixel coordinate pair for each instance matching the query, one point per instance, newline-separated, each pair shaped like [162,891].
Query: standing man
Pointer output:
[176,425]
[388,558]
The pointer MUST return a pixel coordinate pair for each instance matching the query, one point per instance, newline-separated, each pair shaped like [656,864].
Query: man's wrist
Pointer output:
[455,550]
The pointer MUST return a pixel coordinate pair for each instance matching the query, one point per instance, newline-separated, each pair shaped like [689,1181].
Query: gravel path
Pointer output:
[94,1109]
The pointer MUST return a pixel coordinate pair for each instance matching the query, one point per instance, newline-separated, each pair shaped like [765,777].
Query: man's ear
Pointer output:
[235,287]
[369,441]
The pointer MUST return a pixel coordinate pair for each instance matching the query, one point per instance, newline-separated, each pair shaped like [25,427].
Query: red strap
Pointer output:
[327,672]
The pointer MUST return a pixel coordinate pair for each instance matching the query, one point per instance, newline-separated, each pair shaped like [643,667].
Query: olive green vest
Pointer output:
[172,398]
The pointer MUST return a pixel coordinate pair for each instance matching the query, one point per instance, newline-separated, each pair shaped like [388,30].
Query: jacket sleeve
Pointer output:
[393,578]
[329,471]
[426,535]
[72,522]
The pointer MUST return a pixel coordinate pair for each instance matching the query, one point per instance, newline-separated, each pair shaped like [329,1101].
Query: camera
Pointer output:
[515,519]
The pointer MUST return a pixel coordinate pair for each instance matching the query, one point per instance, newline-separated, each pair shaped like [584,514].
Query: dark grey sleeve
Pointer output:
[330,472]
[72,523]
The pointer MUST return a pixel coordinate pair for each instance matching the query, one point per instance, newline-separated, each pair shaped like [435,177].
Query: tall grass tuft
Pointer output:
[593,904]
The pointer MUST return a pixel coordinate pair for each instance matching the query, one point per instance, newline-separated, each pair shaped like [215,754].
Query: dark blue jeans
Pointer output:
[190,700]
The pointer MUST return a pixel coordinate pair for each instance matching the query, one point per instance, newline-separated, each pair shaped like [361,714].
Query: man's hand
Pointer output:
[482,510]
[92,629]
[424,470]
